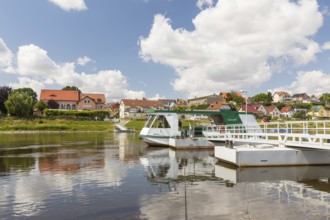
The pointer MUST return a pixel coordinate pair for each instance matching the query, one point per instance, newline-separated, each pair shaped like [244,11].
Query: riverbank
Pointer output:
[10,125]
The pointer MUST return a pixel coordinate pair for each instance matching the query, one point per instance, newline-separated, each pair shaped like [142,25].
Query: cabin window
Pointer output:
[150,120]
[160,122]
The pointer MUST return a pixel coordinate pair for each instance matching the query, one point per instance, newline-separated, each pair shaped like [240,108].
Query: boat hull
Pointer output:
[156,141]
[271,156]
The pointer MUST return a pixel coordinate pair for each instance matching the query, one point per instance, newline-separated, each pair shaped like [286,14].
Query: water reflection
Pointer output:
[115,176]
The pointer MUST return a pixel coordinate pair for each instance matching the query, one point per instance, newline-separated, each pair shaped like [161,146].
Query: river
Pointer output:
[116,176]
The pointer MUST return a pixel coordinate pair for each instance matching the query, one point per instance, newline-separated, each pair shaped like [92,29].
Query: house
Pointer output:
[301,97]
[323,113]
[137,109]
[221,105]
[205,100]
[257,109]
[67,99]
[71,99]
[92,101]
[272,111]
[287,112]
[281,96]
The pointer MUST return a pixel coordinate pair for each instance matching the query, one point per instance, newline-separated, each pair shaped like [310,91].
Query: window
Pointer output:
[73,106]
[68,106]
[160,122]
[62,106]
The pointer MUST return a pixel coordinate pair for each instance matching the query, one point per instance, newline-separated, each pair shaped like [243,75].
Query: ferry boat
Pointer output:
[163,128]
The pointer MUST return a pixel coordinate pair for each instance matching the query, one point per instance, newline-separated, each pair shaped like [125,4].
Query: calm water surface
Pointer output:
[115,176]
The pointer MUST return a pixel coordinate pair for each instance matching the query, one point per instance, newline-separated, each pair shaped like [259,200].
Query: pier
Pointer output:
[272,144]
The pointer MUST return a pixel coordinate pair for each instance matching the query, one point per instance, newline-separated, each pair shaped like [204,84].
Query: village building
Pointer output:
[257,109]
[287,112]
[301,97]
[272,111]
[281,97]
[74,100]
[216,106]
[137,108]
[205,100]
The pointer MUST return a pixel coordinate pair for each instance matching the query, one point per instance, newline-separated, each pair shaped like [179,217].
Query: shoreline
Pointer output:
[46,132]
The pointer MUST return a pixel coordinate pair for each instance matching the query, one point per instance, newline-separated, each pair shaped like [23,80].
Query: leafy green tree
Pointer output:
[19,105]
[299,115]
[325,98]
[40,105]
[235,97]
[29,92]
[74,88]
[5,91]
[264,98]
[52,104]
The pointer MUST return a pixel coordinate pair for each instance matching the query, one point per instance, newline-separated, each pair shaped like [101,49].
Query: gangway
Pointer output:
[301,134]
[122,128]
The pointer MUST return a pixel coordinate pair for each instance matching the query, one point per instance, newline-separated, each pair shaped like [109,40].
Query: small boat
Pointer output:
[163,128]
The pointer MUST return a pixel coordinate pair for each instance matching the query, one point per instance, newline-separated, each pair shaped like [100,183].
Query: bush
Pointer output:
[77,115]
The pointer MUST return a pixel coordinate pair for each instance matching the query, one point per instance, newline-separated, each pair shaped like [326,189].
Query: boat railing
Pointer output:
[283,133]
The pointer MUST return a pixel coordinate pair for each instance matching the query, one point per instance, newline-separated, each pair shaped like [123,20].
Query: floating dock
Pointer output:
[274,144]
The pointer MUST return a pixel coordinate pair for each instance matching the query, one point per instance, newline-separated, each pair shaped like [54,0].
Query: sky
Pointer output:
[166,48]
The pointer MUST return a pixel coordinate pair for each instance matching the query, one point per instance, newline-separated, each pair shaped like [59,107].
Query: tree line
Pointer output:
[22,101]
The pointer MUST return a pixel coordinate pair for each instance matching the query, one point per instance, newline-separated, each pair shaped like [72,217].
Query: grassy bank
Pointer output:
[10,124]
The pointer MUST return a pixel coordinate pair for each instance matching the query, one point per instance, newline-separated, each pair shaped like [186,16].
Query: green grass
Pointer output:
[10,124]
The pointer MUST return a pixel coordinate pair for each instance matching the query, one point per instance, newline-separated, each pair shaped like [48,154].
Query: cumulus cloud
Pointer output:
[326,46]
[6,58]
[201,3]
[234,44]
[70,5]
[82,61]
[35,69]
[313,82]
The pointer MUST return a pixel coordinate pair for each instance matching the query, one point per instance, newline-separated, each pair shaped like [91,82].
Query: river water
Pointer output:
[115,176]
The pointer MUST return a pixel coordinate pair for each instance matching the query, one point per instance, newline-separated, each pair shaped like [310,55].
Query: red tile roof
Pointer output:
[98,98]
[270,108]
[216,105]
[286,109]
[59,95]
[252,108]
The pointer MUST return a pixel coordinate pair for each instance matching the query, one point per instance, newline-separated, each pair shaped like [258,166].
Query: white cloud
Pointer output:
[313,82]
[37,70]
[201,3]
[234,44]
[326,46]
[82,61]
[6,58]
[70,5]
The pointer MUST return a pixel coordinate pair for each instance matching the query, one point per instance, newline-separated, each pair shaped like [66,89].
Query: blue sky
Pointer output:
[166,48]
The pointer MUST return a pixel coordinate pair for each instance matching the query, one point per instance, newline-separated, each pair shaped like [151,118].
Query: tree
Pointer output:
[325,97]
[41,106]
[19,105]
[74,88]
[5,91]
[52,104]
[29,92]
[264,98]
[235,97]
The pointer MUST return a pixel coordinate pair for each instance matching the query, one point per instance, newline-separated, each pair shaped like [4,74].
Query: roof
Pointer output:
[301,95]
[286,109]
[253,108]
[98,98]
[216,105]
[59,95]
[205,97]
[229,116]
[143,103]
[270,108]
[286,94]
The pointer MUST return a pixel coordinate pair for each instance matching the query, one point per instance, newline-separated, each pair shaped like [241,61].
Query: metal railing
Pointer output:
[314,134]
